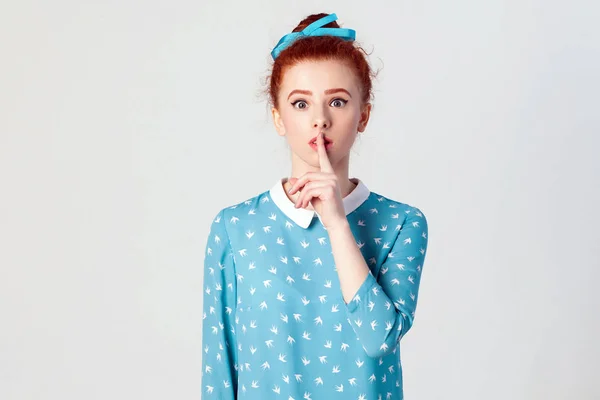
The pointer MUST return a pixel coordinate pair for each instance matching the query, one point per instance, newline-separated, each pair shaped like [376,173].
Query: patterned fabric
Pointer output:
[275,324]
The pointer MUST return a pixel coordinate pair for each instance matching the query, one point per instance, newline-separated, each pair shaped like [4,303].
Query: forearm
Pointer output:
[351,266]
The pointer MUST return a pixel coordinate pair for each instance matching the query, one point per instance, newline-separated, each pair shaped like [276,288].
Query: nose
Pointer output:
[321,120]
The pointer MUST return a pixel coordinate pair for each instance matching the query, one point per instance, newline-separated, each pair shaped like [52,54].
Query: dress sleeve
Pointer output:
[383,308]
[219,352]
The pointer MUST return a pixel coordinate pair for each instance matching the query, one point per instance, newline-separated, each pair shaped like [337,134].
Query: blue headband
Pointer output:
[314,29]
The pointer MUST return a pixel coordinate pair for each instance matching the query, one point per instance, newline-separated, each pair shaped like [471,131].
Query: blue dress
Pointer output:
[275,324]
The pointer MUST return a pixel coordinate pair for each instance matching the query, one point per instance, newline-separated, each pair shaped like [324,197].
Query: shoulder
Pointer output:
[231,214]
[399,209]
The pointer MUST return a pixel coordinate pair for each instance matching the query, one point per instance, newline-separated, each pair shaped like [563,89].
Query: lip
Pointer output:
[314,140]
[314,145]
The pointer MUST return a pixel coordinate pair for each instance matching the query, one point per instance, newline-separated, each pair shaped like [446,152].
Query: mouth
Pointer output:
[313,142]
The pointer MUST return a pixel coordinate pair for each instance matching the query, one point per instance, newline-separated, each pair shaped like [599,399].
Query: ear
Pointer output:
[364,117]
[278,122]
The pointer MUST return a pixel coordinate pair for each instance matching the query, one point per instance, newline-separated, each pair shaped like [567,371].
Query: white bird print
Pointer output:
[249,234]
[412,296]
[337,327]
[398,227]
[208,369]
[251,266]
[306,335]
[283,317]
[386,245]
[286,378]
[282,357]
[352,381]
[307,396]
[362,397]
[273,270]
[288,224]
[322,298]
[375,290]
[400,266]
[304,300]
[377,240]
[411,279]
[335,369]
[360,244]
[234,220]
[318,380]
[253,324]
[387,305]
[265,365]
[318,261]
[306,276]
[255,385]
[273,217]
[269,343]
[372,378]
[374,211]
[209,389]
[323,359]
[298,377]
[410,258]
[242,252]
[334,308]
[407,241]
[297,317]
[297,260]
[263,305]
[339,388]
[304,244]
[327,284]
[283,259]
[327,344]
[371,305]
[280,296]
[383,347]
[388,325]
[276,389]
[344,346]
[305,361]
[318,321]
[359,363]
[291,340]
[361,222]
[358,322]
[262,248]
[274,329]
[395,216]
[356,298]
[267,283]
[391,369]
[267,229]
[373,324]
[280,241]
[395,281]
[383,228]
[384,378]
[384,270]
[321,240]
[289,279]
[252,349]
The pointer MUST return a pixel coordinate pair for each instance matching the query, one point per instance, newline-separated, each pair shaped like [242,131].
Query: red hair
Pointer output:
[320,48]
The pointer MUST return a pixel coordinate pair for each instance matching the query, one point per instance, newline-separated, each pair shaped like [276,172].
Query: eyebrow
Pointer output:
[328,91]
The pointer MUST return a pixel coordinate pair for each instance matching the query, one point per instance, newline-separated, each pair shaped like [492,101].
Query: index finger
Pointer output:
[323,158]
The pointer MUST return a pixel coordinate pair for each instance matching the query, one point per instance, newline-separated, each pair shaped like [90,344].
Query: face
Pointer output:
[320,96]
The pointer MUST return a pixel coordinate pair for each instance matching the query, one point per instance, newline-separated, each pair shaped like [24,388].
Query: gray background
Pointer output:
[125,126]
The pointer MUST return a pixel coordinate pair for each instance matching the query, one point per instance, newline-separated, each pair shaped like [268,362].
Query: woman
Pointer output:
[310,285]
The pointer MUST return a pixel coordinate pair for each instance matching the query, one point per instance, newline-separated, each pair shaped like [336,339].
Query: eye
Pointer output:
[341,102]
[298,102]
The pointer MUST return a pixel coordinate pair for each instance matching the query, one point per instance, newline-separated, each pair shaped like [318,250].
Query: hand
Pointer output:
[321,190]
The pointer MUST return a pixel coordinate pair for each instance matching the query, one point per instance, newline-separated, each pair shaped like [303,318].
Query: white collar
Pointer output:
[302,216]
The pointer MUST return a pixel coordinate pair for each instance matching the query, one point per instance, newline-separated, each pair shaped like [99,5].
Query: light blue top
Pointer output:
[275,324]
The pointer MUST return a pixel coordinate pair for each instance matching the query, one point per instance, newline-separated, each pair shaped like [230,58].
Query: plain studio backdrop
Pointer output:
[125,126]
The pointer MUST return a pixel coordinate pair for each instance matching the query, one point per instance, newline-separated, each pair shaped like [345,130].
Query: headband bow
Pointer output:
[314,29]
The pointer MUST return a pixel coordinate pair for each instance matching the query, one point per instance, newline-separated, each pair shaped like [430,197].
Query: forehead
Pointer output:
[319,76]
